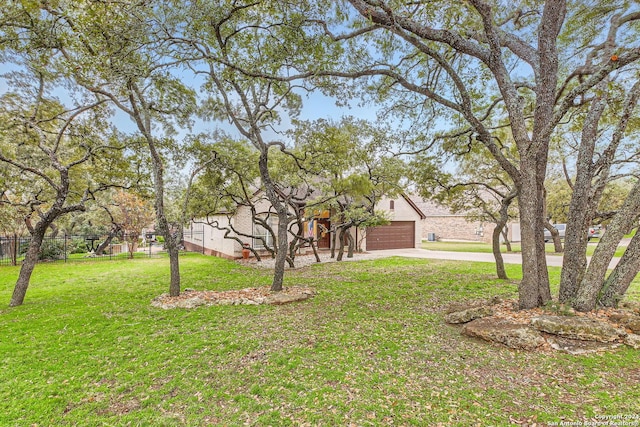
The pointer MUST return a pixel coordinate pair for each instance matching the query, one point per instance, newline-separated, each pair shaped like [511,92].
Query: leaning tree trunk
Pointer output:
[619,280]
[28,265]
[499,229]
[102,246]
[555,237]
[593,281]
[581,208]
[505,236]
[351,246]
[343,232]
[314,249]
[497,254]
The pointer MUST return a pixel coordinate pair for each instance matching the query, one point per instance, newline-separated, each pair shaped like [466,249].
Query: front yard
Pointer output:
[371,348]
[482,247]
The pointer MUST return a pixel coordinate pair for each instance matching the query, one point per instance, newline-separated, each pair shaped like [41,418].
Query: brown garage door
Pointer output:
[397,235]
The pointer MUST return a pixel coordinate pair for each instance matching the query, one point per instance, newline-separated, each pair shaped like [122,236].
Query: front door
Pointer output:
[323,234]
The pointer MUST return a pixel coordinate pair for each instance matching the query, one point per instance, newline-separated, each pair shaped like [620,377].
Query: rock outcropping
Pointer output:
[576,333]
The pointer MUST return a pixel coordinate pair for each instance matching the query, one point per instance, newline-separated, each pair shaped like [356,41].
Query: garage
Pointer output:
[396,235]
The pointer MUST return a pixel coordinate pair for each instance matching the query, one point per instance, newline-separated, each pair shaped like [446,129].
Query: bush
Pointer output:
[77,246]
[51,250]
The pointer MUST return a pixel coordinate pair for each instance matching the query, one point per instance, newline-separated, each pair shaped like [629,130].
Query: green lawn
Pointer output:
[487,248]
[371,348]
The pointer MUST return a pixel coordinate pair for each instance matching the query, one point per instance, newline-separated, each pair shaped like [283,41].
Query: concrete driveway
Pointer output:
[552,260]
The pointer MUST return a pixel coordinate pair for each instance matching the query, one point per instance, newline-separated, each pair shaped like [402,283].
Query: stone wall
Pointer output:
[453,227]
[449,226]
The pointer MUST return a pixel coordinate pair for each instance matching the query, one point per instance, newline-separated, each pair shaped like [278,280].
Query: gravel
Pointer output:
[306,260]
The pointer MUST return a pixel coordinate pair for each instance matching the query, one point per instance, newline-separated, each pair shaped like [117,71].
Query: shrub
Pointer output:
[77,246]
[51,250]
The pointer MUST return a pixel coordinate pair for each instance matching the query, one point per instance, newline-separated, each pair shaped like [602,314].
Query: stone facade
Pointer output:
[449,226]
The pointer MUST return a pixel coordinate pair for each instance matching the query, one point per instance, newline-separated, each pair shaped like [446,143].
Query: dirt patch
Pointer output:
[250,296]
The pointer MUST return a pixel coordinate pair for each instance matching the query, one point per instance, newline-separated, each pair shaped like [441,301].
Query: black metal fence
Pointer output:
[81,248]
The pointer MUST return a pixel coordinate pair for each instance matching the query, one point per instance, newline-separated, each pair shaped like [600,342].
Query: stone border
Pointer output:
[249,296]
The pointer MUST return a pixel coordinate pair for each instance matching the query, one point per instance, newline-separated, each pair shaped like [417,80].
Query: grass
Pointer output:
[371,348]
[482,247]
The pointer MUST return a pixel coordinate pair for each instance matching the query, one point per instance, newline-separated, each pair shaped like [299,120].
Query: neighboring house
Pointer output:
[442,224]
[404,231]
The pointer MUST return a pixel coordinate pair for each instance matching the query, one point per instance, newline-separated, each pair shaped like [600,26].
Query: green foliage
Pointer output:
[52,250]
[558,199]
[351,165]
[77,246]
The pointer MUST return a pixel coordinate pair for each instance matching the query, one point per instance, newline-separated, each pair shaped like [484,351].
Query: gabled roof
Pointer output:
[414,206]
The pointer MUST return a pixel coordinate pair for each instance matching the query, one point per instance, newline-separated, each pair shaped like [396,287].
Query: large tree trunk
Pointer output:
[581,208]
[619,280]
[593,280]
[534,289]
[281,254]
[171,245]
[28,265]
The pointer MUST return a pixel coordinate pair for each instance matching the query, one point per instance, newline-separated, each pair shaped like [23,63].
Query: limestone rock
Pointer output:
[281,298]
[468,315]
[578,347]
[628,321]
[633,341]
[631,305]
[511,334]
[580,328]
[194,302]
[634,325]
[191,303]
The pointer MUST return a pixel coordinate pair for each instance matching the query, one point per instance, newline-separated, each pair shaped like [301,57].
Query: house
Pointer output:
[441,224]
[223,233]
[404,230]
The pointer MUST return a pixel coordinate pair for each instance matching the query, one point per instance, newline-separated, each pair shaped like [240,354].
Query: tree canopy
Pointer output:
[559,77]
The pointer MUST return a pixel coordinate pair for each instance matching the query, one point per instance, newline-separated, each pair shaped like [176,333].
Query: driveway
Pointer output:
[552,260]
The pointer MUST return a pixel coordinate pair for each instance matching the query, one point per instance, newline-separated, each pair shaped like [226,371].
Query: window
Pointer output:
[392,205]
[261,235]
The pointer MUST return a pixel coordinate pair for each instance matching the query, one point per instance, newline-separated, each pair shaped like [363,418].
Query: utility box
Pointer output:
[431,237]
